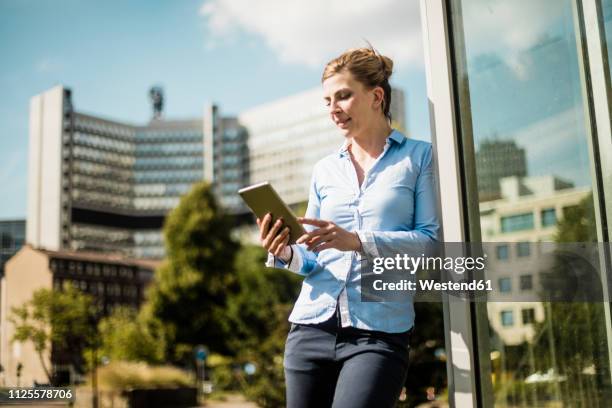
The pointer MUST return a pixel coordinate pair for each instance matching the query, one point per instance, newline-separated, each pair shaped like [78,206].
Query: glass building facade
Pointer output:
[12,238]
[104,185]
[520,94]
[124,179]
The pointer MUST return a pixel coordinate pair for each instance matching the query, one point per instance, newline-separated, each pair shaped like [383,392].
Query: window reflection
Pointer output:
[521,85]
[607,16]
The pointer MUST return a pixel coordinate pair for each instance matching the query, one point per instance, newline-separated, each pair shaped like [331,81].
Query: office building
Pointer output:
[226,158]
[97,184]
[496,159]
[541,86]
[102,185]
[111,281]
[528,212]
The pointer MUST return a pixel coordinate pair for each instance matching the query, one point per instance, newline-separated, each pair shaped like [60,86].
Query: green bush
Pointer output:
[123,375]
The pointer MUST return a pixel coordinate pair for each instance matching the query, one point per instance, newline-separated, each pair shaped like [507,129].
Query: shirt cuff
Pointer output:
[368,246]
[294,266]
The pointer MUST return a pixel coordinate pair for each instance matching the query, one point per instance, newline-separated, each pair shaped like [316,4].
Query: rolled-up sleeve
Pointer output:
[303,260]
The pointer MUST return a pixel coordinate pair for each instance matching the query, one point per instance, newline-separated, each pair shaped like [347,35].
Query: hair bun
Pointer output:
[386,64]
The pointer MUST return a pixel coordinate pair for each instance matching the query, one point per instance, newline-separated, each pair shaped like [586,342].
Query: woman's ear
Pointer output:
[379,96]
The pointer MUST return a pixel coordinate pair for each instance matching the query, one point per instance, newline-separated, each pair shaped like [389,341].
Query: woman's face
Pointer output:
[351,105]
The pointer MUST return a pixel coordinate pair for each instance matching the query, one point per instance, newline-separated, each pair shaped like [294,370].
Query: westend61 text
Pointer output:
[429,284]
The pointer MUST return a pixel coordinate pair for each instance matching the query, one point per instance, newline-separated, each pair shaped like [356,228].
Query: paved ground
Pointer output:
[232,401]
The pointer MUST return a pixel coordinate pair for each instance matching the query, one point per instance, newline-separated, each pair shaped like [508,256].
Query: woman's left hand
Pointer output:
[328,235]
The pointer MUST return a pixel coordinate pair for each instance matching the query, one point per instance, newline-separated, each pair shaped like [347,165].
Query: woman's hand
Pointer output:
[328,235]
[274,238]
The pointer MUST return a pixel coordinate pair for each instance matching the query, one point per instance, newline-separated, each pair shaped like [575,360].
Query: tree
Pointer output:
[190,289]
[126,336]
[572,338]
[578,223]
[61,319]
[260,291]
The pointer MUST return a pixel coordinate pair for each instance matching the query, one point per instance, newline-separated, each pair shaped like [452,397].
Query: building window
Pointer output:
[526,282]
[507,318]
[518,222]
[549,217]
[7,240]
[528,316]
[523,249]
[505,285]
[502,252]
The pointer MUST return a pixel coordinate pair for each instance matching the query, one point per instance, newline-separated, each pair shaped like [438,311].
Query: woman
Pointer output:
[373,198]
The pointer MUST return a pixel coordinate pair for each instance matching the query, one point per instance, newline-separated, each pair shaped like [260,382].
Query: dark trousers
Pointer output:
[330,366]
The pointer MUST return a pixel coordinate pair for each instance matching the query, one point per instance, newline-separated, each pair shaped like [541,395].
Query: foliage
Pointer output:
[126,336]
[122,375]
[63,319]
[258,314]
[578,223]
[267,385]
[210,291]
[572,336]
[427,356]
[260,290]
[190,290]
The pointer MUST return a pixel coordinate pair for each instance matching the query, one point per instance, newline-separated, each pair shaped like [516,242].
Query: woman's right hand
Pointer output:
[274,238]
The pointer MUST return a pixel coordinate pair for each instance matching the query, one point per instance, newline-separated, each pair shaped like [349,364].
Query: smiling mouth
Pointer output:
[343,123]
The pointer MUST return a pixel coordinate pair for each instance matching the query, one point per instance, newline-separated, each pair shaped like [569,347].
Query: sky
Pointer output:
[522,66]
[236,53]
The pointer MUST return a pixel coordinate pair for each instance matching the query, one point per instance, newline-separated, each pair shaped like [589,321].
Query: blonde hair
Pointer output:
[368,67]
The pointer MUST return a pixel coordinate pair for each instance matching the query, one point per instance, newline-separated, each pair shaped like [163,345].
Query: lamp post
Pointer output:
[94,378]
[200,357]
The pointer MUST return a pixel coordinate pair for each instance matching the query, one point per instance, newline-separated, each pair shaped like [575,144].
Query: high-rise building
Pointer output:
[496,159]
[104,185]
[226,158]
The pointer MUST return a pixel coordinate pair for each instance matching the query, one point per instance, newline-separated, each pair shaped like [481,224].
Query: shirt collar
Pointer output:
[395,136]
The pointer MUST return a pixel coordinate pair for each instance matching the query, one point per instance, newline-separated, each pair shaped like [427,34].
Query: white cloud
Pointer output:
[312,32]
[509,25]
[507,28]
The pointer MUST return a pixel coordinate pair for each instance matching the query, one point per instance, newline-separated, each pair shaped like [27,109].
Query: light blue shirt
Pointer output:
[394,208]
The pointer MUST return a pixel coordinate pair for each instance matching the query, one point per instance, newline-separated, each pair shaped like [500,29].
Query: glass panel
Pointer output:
[505,285]
[607,16]
[526,282]
[549,217]
[521,101]
[502,252]
[507,318]
[517,222]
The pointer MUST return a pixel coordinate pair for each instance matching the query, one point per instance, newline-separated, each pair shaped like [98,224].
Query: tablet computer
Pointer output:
[262,199]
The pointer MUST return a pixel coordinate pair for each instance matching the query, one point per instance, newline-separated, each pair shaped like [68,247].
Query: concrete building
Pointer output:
[103,185]
[226,158]
[111,280]
[527,212]
[496,159]
[288,136]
